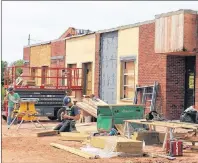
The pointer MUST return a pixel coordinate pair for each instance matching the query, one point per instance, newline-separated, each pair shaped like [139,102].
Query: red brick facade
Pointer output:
[190,32]
[196,83]
[26,53]
[175,86]
[167,70]
[152,66]
[70,32]
[26,58]
[97,65]
[57,50]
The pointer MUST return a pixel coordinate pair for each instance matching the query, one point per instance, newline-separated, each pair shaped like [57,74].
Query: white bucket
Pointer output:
[87,119]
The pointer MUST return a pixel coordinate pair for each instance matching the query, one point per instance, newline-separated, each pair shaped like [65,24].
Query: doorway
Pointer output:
[33,73]
[190,81]
[44,75]
[72,66]
[87,82]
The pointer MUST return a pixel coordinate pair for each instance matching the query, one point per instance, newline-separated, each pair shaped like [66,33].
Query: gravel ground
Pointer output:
[23,146]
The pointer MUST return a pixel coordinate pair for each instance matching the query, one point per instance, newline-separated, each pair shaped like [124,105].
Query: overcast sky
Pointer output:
[48,20]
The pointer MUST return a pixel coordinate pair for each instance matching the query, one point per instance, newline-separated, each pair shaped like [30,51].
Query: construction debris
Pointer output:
[160,155]
[75,151]
[47,133]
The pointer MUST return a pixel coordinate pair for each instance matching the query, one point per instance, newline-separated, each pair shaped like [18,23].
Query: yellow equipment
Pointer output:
[25,110]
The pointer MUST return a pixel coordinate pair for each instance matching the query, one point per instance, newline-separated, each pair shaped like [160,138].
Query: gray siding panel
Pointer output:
[108,67]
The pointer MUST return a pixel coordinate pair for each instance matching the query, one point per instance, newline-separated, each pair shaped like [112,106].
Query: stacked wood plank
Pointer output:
[122,144]
[86,107]
[29,82]
[90,105]
[47,133]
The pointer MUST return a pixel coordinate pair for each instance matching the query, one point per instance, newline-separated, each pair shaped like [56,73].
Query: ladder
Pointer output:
[147,92]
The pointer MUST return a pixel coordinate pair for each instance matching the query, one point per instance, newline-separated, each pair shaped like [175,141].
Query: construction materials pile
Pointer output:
[89,104]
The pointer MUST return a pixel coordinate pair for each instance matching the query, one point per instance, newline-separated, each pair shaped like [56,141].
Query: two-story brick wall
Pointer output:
[57,59]
[151,66]
[165,48]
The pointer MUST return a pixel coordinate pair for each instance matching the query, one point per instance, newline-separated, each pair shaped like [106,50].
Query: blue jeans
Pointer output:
[9,119]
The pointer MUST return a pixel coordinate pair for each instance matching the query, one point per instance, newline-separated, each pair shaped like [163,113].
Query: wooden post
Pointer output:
[78,96]
[165,139]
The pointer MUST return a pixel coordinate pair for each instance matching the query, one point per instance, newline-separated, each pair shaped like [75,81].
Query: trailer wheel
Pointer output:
[4,117]
[52,118]
[59,113]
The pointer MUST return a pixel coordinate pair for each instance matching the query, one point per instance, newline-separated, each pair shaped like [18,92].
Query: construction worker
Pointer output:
[12,98]
[69,118]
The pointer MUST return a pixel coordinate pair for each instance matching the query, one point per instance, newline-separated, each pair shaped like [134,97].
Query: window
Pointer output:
[127,80]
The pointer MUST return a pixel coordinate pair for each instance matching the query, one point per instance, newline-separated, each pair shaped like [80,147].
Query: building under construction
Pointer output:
[114,61]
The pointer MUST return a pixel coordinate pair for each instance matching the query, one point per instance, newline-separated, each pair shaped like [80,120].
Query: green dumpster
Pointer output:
[109,115]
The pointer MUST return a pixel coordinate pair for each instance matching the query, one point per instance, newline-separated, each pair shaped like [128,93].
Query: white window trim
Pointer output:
[126,74]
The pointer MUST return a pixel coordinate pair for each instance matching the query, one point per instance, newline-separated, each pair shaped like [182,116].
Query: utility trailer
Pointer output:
[48,84]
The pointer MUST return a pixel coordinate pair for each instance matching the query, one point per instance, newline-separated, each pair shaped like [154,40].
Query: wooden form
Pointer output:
[47,133]
[170,126]
[75,151]
[122,144]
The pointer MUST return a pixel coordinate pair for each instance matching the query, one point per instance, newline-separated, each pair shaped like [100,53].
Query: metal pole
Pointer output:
[29,39]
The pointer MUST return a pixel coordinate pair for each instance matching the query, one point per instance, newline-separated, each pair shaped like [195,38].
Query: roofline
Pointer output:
[67,30]
[126,26]
[181,11]
[120,27]
[76,36]
[67,38]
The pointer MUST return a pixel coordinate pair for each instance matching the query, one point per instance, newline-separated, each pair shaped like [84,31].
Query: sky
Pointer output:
[47,20]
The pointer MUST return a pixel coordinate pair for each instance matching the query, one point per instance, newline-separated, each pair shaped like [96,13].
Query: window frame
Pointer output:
[123,75]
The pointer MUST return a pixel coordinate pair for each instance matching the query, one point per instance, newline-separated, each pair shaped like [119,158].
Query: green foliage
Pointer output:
[2,92]
[4,64]
[20,62]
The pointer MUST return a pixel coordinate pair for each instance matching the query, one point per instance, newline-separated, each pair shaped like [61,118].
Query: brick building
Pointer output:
[164,50]
[48,54]
[168,54]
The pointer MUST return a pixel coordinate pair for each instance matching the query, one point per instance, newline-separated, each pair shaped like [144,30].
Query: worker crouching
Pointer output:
[69,117]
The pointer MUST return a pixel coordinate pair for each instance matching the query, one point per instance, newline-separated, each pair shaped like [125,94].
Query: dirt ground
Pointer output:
[23,146]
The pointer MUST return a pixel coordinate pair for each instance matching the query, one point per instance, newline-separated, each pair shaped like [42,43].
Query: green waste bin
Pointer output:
[109,115]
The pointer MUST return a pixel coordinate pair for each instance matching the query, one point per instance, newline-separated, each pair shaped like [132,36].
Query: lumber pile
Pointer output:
[29,82]
[75,151]
[90,105]
[46,133]
[122,144]
[86,107]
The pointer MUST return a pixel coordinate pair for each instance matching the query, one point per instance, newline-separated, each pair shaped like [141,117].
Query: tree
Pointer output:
[20,62]
[4,64]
